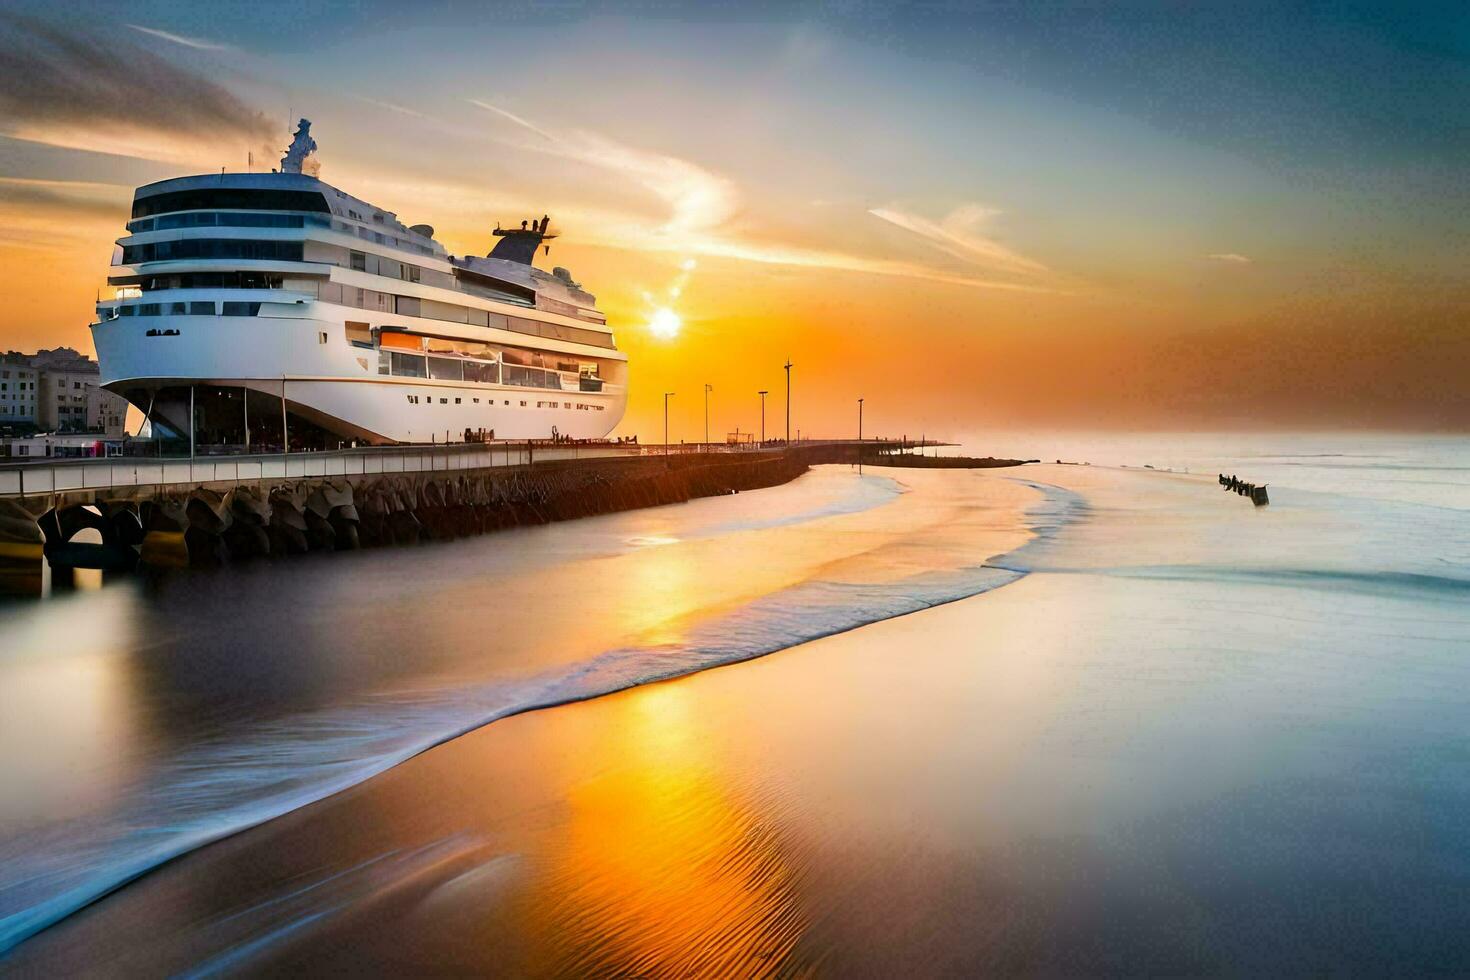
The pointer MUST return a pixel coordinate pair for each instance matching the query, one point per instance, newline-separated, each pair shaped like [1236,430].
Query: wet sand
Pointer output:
[1074,773]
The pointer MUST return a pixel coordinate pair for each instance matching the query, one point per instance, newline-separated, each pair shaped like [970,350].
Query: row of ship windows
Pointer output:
[211,248]
[371,299]
[400,365]
[380,237]
[249,219]
[579,406]
[406,305]
[233,198]
[227,219]
[194,308]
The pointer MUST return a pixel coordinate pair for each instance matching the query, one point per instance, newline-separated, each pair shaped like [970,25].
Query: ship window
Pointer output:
[446,369]
[125,311]
[456,401]
[211,248]
[444,401]
[482,373]
[178,309]
[358,261]
[197,308]
[321,336]
[242,309]
[408,365]
[148,309]
[234,198]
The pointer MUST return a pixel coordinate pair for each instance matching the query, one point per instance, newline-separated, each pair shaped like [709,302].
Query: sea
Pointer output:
[1315,643]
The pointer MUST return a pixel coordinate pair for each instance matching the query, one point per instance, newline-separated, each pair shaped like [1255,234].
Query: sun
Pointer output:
[665,323]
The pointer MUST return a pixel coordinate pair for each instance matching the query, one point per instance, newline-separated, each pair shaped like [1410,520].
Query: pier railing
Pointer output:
[44,476]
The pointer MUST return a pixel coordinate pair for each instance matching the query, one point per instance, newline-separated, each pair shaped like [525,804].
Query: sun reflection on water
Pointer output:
[667,869]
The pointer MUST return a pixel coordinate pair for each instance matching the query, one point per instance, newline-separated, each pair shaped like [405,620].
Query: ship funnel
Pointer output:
[520,244]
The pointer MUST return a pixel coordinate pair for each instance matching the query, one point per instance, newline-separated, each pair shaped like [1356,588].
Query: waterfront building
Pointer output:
[17,392]
[57,390]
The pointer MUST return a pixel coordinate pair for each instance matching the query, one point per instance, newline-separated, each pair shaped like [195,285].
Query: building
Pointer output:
[57,391]
[18,393]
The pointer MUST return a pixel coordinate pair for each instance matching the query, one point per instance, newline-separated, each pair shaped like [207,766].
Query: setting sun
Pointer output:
[665,323]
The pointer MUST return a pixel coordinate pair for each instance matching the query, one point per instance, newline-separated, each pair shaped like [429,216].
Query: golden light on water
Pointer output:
[668,868]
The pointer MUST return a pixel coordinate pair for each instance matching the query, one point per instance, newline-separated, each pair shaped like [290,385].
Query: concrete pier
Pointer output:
[116,515]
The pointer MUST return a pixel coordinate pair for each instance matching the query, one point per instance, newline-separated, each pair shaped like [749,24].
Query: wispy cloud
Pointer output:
[777,254]
[959,234]
[697,199]
[86,91]
[1233,257]
[701,205]
[518,120]
[198,44]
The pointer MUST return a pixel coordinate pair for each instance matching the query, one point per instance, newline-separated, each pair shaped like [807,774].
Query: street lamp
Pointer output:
[787,365]
[860,420]
[707,389]
[763,395]
[667,396]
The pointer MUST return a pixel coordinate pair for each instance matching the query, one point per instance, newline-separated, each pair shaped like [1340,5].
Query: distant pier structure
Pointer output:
[1256,493]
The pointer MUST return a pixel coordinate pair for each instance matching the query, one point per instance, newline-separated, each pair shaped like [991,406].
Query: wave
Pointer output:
[216,789]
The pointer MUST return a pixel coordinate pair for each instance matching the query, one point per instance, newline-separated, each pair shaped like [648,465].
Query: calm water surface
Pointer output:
[1186,735]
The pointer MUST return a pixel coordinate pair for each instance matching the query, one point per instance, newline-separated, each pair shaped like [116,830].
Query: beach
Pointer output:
[1123,723]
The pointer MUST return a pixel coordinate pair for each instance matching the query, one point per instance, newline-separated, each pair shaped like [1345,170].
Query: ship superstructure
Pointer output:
[255,310]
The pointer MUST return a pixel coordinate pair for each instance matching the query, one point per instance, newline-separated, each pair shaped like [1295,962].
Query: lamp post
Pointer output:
[667,396]
[707,389]
[787,365]
[763,395]
[860,420]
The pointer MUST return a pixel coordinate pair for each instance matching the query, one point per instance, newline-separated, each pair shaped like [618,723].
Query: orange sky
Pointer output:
[963,251]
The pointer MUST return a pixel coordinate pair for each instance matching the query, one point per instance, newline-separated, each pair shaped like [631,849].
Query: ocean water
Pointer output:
[1201,650]
[145,719]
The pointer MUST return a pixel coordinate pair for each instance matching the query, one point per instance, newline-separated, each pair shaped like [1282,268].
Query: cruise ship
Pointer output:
[262,312]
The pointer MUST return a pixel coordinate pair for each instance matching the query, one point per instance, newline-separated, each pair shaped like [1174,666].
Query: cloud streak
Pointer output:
[696,198]
[518,120]
[198,44]
[1234,258]
[959,235]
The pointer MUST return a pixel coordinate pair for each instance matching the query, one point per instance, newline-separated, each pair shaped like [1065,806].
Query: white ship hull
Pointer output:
[336,384]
